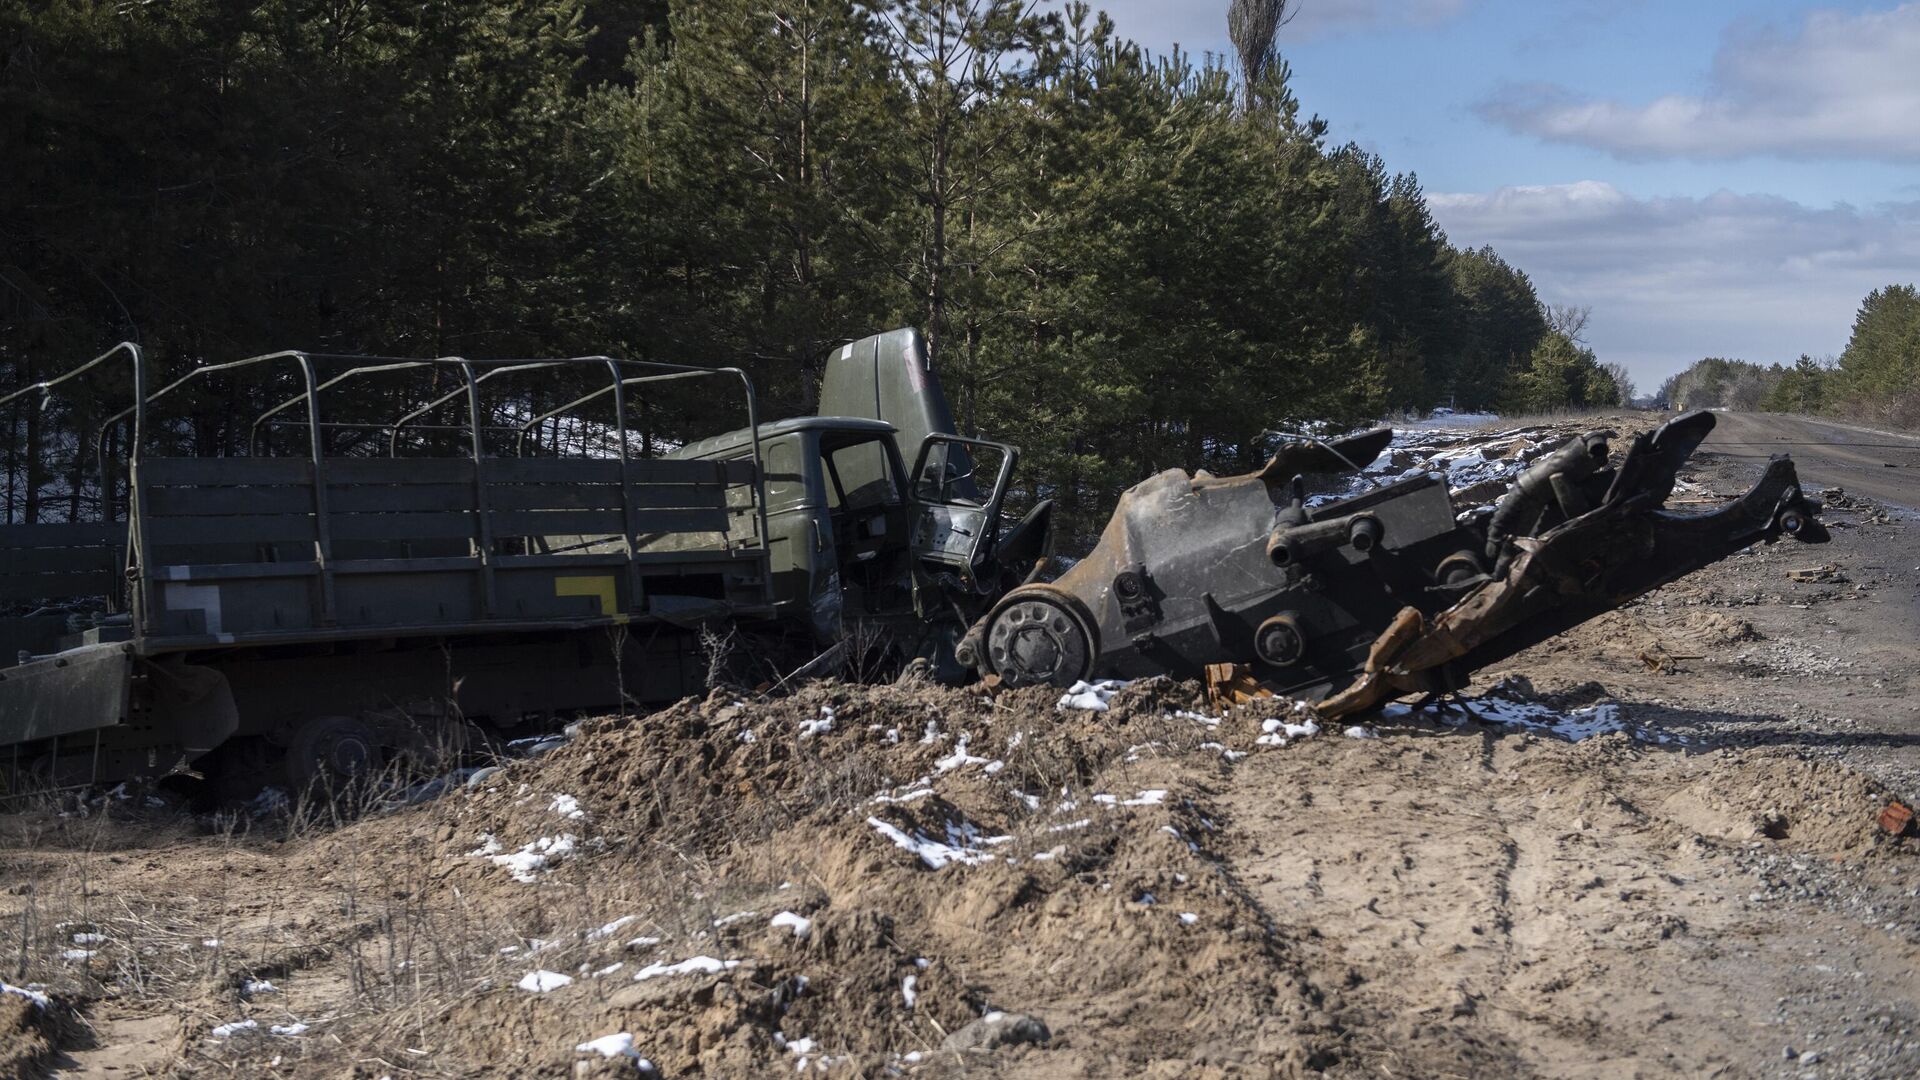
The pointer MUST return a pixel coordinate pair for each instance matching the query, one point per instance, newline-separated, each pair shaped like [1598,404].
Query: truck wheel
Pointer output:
[1037,640]
[332,749]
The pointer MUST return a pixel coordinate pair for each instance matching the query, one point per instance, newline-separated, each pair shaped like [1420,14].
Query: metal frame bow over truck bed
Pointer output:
[298,598]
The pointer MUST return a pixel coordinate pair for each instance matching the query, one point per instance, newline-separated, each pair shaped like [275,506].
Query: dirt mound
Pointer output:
[1714,628]
[28,1033]
[911,880]
[849,876]
[1820,806]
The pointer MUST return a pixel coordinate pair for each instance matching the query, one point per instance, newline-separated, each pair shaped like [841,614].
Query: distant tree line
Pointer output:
[1876,378]
[1122,261]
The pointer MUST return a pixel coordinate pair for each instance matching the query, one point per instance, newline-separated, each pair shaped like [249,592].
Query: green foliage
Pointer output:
[1879,374]
[1803,388]
[1561,373]
[1123,262]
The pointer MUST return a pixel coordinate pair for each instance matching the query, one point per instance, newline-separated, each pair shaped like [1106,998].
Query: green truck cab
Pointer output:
[860,544]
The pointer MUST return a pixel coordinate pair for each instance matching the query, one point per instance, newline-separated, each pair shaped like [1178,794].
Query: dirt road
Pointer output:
[1675,873]
[1881,465]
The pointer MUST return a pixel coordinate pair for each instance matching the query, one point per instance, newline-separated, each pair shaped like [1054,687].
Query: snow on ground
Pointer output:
[543,981]
[801,925]
[962,846]
[1572,725]
[619,1044]
[609,929]
[960,757]
[226,1031]
[1092,696]
[39,999]
[695,965]
[820,726]
[526,864]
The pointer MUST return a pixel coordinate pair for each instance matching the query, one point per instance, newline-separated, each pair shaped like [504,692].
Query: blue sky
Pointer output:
[1711,179]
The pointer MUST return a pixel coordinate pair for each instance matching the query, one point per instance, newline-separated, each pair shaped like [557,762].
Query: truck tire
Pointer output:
[328,750]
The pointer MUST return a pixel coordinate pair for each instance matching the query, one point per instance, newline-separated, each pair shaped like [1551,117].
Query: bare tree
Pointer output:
[1570,319]
[1618,372]
[1254,25]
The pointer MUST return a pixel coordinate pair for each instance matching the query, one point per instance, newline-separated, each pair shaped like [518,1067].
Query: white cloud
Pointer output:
[1199,27]
[1671,280]
[1839,86]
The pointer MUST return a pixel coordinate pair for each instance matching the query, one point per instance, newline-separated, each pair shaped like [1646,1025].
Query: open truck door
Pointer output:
[957,488]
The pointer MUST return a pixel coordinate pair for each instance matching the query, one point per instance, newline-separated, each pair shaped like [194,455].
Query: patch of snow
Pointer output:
[643,942]
[227,1031]
[821,726]
[1198,718]
[936,854]
[1359,732]
[1188,918]
[729,920]
[747,735]
[1288,730]
[39,999]
[526,864]
[801,925]
[543,981]
[619,1044]
[696,965]
[1150,797]
[78,954]
[567,807]
[89,939]
[958,758]
[1091,696]
[289,1029]
[251,987]
[917,793]
[608,970]
[1071,825]
[1573,725]
[610,929]
[909,989]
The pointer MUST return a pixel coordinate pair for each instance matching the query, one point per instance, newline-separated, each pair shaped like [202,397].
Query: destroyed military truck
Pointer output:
[458,566]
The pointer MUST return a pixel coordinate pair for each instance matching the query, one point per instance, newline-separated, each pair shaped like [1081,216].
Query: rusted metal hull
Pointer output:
[1380,595]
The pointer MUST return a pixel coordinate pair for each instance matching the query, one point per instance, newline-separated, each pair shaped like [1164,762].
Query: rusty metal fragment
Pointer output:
[1896,819]
[1232,684]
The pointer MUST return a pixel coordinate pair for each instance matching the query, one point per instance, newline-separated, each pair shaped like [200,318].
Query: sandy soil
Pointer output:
[909,880]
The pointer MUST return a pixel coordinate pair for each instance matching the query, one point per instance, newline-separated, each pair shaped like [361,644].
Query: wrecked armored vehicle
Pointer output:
[1385,593]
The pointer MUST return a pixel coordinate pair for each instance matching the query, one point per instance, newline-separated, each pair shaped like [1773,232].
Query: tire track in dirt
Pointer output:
[1520,906]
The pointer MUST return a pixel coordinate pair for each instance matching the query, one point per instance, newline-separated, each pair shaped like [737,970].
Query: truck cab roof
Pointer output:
[723,445]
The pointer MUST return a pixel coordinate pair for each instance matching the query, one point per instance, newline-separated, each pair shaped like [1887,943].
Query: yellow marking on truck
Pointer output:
[598,586]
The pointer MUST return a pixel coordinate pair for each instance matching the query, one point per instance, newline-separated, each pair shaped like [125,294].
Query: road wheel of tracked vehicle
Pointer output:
[331,750]
[1038,640]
